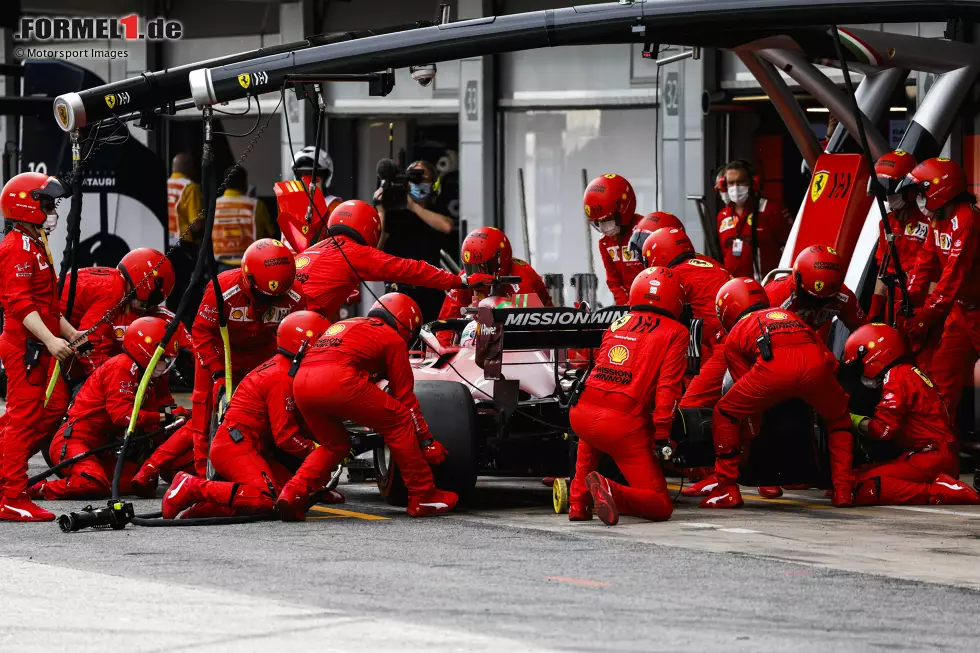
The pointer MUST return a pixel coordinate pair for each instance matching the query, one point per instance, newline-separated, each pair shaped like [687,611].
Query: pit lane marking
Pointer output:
[583,582]
[335,513]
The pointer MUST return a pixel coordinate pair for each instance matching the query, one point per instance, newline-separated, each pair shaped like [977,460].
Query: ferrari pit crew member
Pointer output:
[773,356]
[101,412]
[145,272]
[487,251]
[907,223]
[256,299]
[332,270]
[336,382]
[639,372]
[301,227]
[31,326]
[700,279]
[610,206]
[912,414]
[647,225]
[816,291]
[954,306]
[261,418]
[751,228]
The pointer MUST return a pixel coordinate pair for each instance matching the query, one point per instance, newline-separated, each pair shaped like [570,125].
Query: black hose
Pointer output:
[154,520]
[69,258]
[37,478]
[875,185]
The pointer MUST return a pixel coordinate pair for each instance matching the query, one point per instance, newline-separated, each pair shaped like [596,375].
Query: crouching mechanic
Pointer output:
[101,412]
[610,207]
[331,271]
[912,414]
[145,272]
[486,251]
[816,291]
[260,419]
[639,371]
[256,299]
[31,326]
[335,382]
[773,356]
[701,279]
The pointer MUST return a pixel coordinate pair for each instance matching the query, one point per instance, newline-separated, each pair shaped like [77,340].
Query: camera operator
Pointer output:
[415,215]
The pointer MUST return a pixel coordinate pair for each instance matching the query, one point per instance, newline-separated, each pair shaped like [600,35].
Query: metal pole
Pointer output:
[524,228]
[588,228]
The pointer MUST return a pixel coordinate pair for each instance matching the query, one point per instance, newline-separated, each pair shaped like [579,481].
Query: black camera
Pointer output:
[115,515]
[395,184]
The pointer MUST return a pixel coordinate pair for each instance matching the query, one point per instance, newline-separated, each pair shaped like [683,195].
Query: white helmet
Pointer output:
[303,164]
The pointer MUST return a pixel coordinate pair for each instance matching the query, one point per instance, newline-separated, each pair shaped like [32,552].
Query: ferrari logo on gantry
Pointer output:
[819,184]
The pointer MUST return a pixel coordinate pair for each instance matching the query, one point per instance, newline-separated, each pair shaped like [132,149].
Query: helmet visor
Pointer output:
[637,240]
[490,266]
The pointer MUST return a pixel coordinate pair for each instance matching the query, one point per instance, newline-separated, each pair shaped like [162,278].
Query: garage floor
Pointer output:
[504,573]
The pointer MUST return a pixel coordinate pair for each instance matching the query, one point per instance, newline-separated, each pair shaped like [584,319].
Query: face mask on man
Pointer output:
[723,195]
[420,191]
[871,384]
[608,227]
[920,201]
[162,367]
[50,222]
[738,194]
[896,202]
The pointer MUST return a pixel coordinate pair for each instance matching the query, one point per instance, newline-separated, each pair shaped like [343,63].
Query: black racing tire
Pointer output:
[448,408]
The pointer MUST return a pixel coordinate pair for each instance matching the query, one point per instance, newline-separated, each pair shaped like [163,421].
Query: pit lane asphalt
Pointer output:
[503,573]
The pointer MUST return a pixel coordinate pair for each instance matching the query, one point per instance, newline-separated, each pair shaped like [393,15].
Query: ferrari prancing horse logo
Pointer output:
[818,185]
[245,80]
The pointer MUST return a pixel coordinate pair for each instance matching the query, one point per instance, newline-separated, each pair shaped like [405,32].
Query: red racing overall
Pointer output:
[252,333]
[621,264]
[330,271]
[801,367]
[336,382]
[262,418]
[27,284]
[772,224]
[911,229]
[912,414]
[844,306]
[99,415]
[628,403]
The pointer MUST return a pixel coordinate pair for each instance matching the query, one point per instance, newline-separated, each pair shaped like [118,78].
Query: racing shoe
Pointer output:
[145,482]
[327,496]
[723,496]
[579,512]
[181,494]
[842,496]
[946,490]
[36,492]
[292,505]
[433,502]
[770,491]
[21,508]
[602,499]
[702,488]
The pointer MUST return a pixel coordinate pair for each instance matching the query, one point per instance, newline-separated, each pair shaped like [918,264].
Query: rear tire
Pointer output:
[448,409]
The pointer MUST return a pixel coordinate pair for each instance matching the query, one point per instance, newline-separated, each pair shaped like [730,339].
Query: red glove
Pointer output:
[180,411]
[918,326]
[433,452]
[478,280]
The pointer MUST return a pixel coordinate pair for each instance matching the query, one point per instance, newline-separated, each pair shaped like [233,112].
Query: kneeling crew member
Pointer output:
[335,382]
[773,356]
[639,371]
[261,418]
[101,413]
[257,298]
[912,414]
[331,271]
[31,322]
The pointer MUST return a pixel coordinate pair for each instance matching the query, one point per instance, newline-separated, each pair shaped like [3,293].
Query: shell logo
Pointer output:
[872,344]
[237,314]
[302,262]
[619,355]
[335,329]
[21,194]
[776,315]
[120,332]
[147,339]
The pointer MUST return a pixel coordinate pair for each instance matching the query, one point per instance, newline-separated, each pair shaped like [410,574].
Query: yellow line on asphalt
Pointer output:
[337,512]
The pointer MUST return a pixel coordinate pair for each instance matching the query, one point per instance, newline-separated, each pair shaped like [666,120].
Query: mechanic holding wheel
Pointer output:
[912,414]
[257,298]
[331,271]
[610,207]
[639,372]
[773,355]
[31,320]
[335,382]
[101,412]
[261,418]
